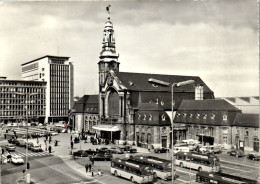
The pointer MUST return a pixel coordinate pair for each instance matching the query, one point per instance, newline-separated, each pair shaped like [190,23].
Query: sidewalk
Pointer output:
[62,151]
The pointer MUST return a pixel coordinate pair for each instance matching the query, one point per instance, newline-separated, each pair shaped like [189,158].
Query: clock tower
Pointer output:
[108,56]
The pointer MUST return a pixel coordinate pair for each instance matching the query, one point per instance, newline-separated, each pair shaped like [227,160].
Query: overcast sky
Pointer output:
[215,39]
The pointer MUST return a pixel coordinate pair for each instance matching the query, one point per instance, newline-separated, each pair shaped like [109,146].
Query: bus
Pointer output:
[134,172]
[223,178]
[161,168]
[198,161]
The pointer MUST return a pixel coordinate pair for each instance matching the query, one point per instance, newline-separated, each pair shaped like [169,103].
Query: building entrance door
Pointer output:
[164,141]
[256,144]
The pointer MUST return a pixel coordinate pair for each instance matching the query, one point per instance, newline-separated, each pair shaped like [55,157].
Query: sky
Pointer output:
[216,40]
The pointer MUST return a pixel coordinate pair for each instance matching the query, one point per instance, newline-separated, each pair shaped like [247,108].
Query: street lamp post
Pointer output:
[173,85]
[27,98]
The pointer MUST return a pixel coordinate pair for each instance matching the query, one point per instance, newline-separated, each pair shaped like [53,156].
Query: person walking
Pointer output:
[49,149]
[9,157]
[49,140]
[71,144]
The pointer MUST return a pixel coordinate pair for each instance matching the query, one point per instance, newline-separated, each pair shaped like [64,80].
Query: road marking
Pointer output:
[185,172]
[237,163]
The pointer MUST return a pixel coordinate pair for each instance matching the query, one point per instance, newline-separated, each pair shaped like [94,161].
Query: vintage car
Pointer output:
[80,153]
[116,150]
[102,156]
[36,148]
[130,149]
[236,153]
[161,150]
[16,159]
[10,147]
[254,156]
[20,142]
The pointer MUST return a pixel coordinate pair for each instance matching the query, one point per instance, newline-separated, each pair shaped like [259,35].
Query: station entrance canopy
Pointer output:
[109,128]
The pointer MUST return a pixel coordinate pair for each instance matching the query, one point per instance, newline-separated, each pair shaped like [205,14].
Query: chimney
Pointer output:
[199,92]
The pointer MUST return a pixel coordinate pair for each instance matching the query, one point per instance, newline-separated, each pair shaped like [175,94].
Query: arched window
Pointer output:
[113,104]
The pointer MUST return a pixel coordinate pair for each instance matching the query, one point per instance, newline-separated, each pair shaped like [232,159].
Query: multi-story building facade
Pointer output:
[218,122]
[85,112]
[22,100]
[131,107]
[58,73]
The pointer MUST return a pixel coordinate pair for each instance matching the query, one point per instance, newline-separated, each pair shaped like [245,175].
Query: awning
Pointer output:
[109,128]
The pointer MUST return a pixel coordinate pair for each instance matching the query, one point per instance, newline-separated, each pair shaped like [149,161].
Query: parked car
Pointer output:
[53,133]
[116,149]
[160,150]
[237,153]
[254,156]
[21,143]
[80,153]
[36,148]
[64,130]
[177,149]
[10,147]
[12,141]
[29,144]
[103,150]
[102,156]
[16,159]
[214,149]
[130,149]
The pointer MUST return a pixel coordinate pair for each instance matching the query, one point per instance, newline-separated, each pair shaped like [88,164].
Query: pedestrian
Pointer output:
[49,139]
[71,144]
[9,157]
[46,136]
[49,149]
[87,167]
[71,138]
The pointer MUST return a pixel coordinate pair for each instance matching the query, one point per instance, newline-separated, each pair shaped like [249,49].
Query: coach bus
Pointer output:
[221,178]
[198,161]
[136,173]
[161,168]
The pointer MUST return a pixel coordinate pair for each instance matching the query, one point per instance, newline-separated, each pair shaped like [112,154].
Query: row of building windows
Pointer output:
[21,90]
[33,66]
[198,115]
[37,112]
[148,117]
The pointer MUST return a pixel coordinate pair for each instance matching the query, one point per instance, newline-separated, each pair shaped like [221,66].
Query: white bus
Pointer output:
[136,173]
[161,168]
[198,161]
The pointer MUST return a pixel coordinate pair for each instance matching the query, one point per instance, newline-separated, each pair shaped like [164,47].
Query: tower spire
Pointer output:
[108,12]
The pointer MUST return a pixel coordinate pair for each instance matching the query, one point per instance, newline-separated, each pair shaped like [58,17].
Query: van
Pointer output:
[177,149]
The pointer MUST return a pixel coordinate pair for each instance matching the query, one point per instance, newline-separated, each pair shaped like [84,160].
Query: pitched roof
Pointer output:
[88,103]
[207,105]
[139,82]
[150,107]
[247,120]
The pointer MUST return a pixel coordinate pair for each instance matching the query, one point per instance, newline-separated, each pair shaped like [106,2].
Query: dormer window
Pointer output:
[224,117]
[204,116]
[144,117]
[198,116]
[131,83]
[139,116]
[178,114]
[150,117]
[163,117]
[212,116]
[184,115]
[155,85]
[162,102]
[191,115]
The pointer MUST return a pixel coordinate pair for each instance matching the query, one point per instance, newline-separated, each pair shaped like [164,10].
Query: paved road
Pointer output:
[61,169]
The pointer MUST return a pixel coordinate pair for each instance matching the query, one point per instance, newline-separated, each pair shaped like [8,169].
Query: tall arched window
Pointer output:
[113,104]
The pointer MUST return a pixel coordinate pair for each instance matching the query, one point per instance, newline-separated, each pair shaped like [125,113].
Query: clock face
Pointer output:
[112,66]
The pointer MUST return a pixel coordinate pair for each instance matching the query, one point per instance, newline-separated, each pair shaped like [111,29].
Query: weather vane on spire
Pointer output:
[108,11]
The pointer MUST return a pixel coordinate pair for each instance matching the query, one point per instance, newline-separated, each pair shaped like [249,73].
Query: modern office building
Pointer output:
[22,100]
[57,71]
